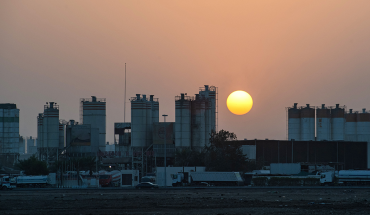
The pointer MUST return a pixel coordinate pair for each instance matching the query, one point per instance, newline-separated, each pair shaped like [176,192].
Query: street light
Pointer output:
[165,150]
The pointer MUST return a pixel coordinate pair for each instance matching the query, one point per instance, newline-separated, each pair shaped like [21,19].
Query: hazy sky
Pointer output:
[281,52]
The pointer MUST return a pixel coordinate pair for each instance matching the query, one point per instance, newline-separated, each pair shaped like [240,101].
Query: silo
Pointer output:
[337,123]
[40,120]
[182,121]
[138,122]
[350,130]
[294,123]
[152,115]
[323,124]
[198,122]
[9,128]
[94,114]
[209,93]
[363,130]
[155,109]
[307,123]
[61,136]
[51,126]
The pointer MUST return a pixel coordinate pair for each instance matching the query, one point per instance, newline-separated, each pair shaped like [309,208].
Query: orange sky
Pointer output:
[280,52]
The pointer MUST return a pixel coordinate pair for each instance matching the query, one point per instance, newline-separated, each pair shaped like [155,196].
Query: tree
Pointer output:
[224,153]
[33,166]
[188,157]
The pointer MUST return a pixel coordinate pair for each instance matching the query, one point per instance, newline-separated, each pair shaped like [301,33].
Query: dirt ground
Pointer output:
[187,201]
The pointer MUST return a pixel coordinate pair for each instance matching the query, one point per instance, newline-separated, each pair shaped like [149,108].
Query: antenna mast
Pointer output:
[124,103]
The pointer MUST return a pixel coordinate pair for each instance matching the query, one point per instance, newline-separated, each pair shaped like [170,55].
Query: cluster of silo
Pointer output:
[144,112]
[195,118]
[94,114]
[301,122]
[330,123]
[9,128]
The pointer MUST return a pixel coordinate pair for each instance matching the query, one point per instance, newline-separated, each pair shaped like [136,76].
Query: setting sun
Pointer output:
[239,102]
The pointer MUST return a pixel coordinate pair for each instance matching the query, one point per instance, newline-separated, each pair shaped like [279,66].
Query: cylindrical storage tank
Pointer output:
[323,129]
[337,123]
[183,121]
[40,130]
[209,93]
[61,136]
[94,114]
[138,122]
[198,123]
[363,126]
[350,129]
[294,123]
[51,126]
[307,123]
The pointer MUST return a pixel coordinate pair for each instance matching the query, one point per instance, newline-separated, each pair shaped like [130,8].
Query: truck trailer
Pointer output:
[346,177]
[207,179]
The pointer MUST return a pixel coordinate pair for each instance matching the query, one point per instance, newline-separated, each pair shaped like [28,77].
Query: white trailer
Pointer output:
[346,177]
[32,181]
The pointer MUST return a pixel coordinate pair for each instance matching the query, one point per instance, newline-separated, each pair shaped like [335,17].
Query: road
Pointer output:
[209,200]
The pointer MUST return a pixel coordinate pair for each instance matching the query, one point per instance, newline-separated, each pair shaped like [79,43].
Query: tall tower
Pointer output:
[94,114]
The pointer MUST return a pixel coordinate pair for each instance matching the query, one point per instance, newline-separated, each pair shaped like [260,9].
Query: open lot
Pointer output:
[327,200]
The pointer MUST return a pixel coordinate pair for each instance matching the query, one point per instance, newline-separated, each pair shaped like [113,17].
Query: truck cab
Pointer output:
[7,182]
[326,178]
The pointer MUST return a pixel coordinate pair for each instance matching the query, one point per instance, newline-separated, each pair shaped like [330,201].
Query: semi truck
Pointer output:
[110,179]
[345,177]
[32,181]
[7,183]
[207,179]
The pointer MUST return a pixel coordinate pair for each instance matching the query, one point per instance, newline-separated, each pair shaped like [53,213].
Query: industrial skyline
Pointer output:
[281,53]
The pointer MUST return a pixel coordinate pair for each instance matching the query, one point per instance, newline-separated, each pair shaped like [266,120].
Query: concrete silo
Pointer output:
[94,114]
[198,129]
[138,121]
[323,123]
[294,123]
[307,123]
[50,132]
[350,129]
[9,128]
[363,130]
[337,122]
[61,135]
[210,94]
[40,130]
[183,121]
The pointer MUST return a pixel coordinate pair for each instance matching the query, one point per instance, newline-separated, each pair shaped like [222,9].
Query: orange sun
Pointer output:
[239,102]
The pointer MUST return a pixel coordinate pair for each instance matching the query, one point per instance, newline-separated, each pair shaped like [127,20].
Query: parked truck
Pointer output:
[207,179]
[345,177]
[110,179]
[7,183]
[32,181]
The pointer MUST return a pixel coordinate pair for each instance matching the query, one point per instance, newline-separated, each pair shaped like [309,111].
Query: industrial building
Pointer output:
[309,123]
[9,128]
[82,140]
[341,154]
[145,141]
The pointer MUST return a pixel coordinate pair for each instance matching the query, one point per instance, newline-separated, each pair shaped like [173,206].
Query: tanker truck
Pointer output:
[207,179]
[346,177]
[7,183]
